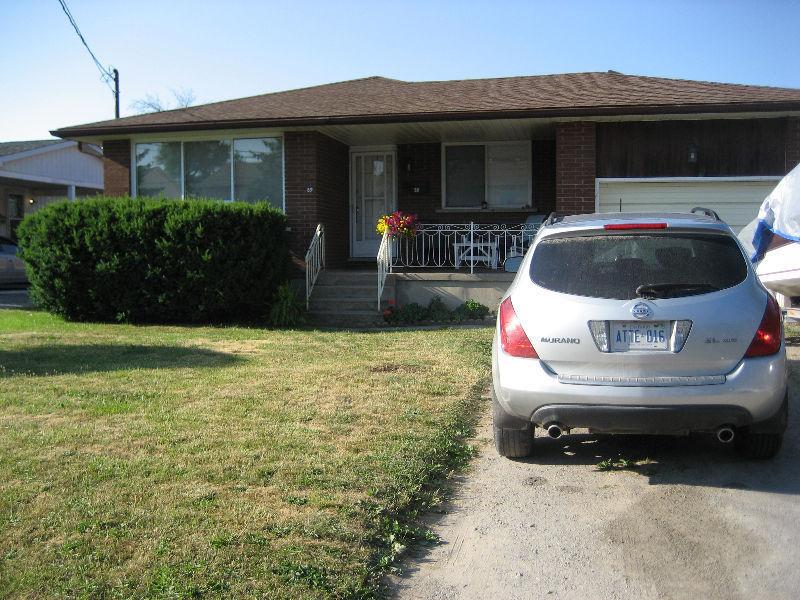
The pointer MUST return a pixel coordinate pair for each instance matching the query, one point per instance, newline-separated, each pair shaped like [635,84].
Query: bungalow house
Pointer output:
[473,159]
[34,173]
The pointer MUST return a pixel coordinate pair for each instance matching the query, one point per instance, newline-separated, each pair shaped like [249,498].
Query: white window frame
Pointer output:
[231,139]
[489,208]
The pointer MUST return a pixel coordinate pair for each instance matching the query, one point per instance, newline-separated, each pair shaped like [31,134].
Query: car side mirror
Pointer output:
[512,264]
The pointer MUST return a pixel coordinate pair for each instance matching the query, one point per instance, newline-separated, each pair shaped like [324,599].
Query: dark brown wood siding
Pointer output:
[725,148]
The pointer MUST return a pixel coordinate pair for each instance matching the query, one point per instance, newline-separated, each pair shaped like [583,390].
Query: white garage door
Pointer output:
[736,202]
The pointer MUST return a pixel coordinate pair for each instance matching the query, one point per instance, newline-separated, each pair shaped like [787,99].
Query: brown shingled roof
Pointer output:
[378,99]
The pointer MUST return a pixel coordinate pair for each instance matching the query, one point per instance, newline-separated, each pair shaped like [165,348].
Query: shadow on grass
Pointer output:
[65,359]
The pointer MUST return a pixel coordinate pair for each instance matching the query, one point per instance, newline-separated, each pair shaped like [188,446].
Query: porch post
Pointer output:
[471,247]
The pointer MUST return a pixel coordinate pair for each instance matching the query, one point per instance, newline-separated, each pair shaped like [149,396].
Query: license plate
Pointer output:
[636,335]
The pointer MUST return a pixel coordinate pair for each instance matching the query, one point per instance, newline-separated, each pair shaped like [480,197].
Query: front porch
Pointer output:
[486,176]
[476,203]
[350,296]
[454,261]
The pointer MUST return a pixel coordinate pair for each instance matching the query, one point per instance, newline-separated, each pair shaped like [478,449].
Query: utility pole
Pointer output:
[106,73]
[116,94]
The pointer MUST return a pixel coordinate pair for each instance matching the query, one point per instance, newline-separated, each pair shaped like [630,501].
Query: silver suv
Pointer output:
[639,323]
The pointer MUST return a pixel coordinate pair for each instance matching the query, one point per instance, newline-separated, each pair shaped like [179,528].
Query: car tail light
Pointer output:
[767,339]
[513,339]
[618,226]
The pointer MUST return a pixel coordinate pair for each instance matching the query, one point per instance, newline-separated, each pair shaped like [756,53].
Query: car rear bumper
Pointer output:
[753,392]
[642,419]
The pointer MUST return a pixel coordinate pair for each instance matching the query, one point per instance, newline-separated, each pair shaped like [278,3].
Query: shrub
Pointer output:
[411,313]
[436,312]
[288,309]
[134,260]
[474,309]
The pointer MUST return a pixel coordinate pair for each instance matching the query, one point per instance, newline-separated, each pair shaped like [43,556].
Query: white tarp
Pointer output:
[779,214]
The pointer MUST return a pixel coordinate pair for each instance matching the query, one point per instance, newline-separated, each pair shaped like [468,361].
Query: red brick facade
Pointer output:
[317,180]
[419,179]
[792,143]
[117,167]
[317,171]
[575,167]
[544,176]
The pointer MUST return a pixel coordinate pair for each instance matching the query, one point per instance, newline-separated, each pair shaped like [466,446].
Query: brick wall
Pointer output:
[117,167]
[544,175]
[420,166]
[333,206]
[792,147]
[575,167]
[316,168]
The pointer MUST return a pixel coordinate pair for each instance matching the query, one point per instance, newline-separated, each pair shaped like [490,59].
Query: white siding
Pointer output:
[736,202]
[64,164]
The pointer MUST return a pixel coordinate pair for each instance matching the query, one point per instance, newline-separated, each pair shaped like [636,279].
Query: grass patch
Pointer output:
[222,462]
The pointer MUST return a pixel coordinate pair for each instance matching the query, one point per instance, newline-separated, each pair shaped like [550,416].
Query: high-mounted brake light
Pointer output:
[767,340]
[513,339]
[618,226]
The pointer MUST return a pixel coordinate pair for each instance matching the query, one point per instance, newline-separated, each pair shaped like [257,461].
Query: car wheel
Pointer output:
[759,445]
[513,437]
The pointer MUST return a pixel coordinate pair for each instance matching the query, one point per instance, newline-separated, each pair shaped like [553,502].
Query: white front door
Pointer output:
[372,195]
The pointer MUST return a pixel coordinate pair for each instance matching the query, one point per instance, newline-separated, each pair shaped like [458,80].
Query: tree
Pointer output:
[184,98]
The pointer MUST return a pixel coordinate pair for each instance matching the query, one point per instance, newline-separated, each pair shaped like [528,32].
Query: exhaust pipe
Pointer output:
[554,431]
[725,434]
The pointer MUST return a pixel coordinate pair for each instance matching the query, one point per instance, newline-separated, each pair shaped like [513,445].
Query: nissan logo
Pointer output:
[640,310]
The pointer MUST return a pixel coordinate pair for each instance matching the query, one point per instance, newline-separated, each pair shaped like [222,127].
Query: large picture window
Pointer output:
[207,169]
[158,169]
[247,170]
[495,175]
[258,173]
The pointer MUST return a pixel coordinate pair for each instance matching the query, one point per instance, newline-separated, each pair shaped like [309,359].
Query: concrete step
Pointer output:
[343,303]
[346,318]
[335,291]
[347,277]
[347,299]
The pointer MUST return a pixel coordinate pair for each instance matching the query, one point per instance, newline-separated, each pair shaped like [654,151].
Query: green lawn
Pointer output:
[221,462]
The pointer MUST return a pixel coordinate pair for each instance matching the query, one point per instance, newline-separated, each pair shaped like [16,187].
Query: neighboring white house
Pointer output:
[35,173]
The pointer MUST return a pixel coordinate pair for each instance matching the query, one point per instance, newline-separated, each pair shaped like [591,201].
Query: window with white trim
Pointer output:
[492,175]
[243,169]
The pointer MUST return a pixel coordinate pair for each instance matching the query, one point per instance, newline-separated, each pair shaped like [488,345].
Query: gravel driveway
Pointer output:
[694,522]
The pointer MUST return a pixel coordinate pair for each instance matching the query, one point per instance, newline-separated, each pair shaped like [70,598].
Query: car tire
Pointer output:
[513,437]
[760,446]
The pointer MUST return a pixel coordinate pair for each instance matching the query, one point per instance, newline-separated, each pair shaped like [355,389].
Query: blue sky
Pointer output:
[237,48]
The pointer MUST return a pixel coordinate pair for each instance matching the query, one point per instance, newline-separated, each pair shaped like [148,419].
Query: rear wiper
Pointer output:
[673,290]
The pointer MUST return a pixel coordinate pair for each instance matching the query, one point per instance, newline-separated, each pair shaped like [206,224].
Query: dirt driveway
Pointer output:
[693,522]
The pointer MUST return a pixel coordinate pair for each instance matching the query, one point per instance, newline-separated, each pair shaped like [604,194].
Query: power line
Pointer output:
[108,74]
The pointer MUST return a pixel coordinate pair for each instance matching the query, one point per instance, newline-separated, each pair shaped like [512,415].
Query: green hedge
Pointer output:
[148,261]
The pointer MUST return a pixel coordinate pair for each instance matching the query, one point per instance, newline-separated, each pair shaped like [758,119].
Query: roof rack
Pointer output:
[706,211]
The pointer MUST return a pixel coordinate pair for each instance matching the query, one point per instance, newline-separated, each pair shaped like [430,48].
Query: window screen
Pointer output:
[465,176]
[509,174]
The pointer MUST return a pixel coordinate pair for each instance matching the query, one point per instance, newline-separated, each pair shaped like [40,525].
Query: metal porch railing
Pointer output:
[459,245]
[315,260]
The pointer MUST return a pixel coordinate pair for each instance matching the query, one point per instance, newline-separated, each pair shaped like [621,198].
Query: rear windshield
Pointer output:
[627,266]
